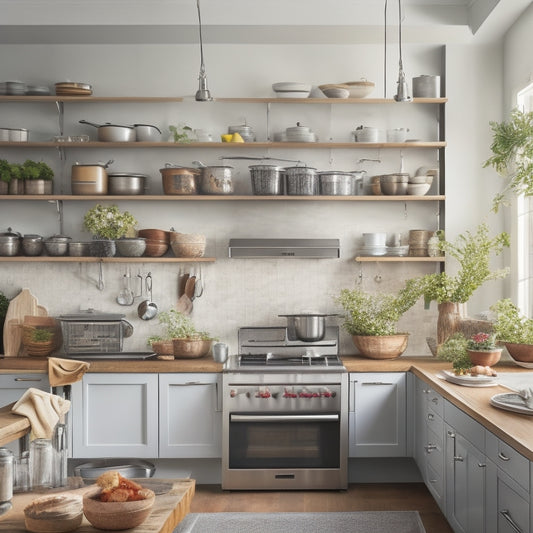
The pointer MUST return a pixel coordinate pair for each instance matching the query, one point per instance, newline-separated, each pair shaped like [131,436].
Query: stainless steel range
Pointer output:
[285,413]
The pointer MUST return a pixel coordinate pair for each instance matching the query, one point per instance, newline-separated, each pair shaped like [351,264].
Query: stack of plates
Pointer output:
[13,87]
[373,250]
[69,88]
[37,90]
[290,89]
[398,251]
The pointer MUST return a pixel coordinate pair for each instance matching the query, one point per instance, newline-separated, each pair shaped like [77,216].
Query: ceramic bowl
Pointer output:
[418,189]
[113,516]
[421,179]
[336,92]
[360,89]
[131,247]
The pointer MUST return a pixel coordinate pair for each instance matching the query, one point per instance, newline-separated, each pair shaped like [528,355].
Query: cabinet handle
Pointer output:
[482,465]
[451,434]
[458,458]
[505,513]
[503,457]
[431,417]
[28,379]
[435,400]
[430,447]
[376,383]
[433,481]
[426,391]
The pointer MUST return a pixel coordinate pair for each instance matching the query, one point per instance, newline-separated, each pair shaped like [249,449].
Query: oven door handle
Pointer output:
[284,418]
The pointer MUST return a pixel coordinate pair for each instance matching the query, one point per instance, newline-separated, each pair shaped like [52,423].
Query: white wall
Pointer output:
[251,292]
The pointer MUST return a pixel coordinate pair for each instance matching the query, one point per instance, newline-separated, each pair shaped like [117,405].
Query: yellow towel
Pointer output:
[65,371]
[43,410]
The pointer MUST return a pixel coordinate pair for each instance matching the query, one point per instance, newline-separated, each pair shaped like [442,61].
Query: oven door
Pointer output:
[284,440]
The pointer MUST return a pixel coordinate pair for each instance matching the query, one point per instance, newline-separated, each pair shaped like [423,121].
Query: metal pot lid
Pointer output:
[10,233]
[92,314]
[126,175]
[265,167]
[58,238]
[218,166]
[311,169]
[335,173]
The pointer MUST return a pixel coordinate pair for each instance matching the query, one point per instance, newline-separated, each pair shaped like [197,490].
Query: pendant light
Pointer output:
[402,94]
[202,94]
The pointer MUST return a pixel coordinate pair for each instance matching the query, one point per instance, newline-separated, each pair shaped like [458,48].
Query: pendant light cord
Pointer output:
[202,66]
[385,52]
[400,32]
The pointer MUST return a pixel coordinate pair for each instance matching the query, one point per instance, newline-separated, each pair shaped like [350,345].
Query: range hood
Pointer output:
[289,248]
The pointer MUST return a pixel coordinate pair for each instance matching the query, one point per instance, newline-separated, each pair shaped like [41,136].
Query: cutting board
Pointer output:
[25,303]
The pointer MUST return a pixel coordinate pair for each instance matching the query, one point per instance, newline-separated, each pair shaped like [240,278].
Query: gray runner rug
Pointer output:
[345,522]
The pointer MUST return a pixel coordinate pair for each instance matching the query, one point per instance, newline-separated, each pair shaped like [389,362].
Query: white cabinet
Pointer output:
[115,415]
[147,415]
[466,469]
[190,415]
[378,415]
[429,440]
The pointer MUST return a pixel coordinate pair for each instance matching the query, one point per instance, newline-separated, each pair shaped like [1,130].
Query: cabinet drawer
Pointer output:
[508,459]
[513,510]
[434,421]
[431,397]
[435,483]
[465,425]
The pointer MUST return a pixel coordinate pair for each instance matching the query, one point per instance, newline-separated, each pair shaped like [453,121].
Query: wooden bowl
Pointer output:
[190,348]
[155,248]
[155,234]
[381,347]
[113,516]
[60,513]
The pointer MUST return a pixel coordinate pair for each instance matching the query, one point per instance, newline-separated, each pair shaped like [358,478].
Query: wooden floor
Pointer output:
[358,497]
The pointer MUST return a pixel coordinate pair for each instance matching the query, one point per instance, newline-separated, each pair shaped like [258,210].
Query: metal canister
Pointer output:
[89,179]
[6,475]
[266,179]
[302,181]
[426,86]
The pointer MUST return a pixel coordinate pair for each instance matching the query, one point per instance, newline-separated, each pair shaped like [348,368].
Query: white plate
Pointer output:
[469,381]
[510,401]
[525,365]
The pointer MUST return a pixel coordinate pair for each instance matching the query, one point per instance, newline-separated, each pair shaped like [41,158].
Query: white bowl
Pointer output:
[291,86]
[421,179]
[336,92]
[418,189]
[360,89]
[292,94]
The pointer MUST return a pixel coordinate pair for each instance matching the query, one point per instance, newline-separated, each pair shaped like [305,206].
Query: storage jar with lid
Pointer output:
[6,475]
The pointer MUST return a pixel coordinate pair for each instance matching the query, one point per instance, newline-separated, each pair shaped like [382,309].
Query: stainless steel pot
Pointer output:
[337,183]
[179,180]
[302,181]
[126,184]
[9,243]
[307,327]
[267,179]
[90,179]
[147,133]
[32,245]
[216,180]
[113,132]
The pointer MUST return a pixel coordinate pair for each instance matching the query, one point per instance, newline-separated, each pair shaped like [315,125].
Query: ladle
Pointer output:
[147,308]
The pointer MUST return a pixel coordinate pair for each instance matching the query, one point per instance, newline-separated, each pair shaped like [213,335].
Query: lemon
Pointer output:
[236,138]
[227,138]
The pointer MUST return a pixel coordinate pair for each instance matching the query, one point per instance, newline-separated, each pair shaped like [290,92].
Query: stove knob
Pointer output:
[263,393]
[232,393]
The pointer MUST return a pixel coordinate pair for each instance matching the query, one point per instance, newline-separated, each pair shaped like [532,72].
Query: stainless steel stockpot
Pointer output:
[9,243]
[267,179]
[307,327]
[302,181]
[336,183]
[126,183]
[113,132]
[147,133]
[216,180]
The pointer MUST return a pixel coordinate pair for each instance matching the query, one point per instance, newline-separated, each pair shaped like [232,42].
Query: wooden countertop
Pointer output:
[169,508]
[12,426]
[514,429]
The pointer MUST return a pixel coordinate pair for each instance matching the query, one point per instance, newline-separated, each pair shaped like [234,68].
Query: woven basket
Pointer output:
[381,347]
[38,348]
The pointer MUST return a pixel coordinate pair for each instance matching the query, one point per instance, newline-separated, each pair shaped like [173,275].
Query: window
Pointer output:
[524,231]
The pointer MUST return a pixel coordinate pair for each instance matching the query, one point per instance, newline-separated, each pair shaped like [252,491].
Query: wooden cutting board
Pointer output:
[25,303]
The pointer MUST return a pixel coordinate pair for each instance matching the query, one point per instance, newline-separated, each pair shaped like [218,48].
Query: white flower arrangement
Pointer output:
[108,222]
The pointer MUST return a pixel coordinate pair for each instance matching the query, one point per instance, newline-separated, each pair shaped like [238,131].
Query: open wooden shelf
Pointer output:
[397,259]
[70,259]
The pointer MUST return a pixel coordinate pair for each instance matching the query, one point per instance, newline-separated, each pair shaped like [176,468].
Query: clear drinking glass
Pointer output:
[22,473]
[41,463]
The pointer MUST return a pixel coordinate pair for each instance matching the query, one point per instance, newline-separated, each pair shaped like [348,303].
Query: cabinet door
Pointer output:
[508,507]
[190,415]
[115,415]
[379,415]
[465,484]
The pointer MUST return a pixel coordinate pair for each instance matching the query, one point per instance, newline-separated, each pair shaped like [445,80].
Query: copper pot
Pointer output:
[179,180]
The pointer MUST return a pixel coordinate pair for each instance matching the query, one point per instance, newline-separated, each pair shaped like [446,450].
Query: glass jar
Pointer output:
[6,475]
[41,463]
[22,473]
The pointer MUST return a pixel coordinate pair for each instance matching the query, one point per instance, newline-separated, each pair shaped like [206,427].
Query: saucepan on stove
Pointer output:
[307,327]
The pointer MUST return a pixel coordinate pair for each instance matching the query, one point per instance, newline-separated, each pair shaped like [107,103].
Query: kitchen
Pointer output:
[253,292]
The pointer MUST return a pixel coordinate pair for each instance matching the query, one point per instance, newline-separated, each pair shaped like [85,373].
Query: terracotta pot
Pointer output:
[520,352]
[381,347]
[485,357]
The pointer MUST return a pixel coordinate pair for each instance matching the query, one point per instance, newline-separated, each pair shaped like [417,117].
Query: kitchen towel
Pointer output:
[43,410]
[65,371]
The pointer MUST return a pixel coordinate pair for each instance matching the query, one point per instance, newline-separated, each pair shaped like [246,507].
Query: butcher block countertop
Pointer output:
[514,429]
[168,510]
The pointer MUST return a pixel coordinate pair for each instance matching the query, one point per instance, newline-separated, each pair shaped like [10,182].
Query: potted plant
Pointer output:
[16,185]
[514,330]
[38,177]
[482,349]
[107,223]
[180,133]
[371,318]
[180,331]
[5,176]
[454,351]
[512,155]
[473,252]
